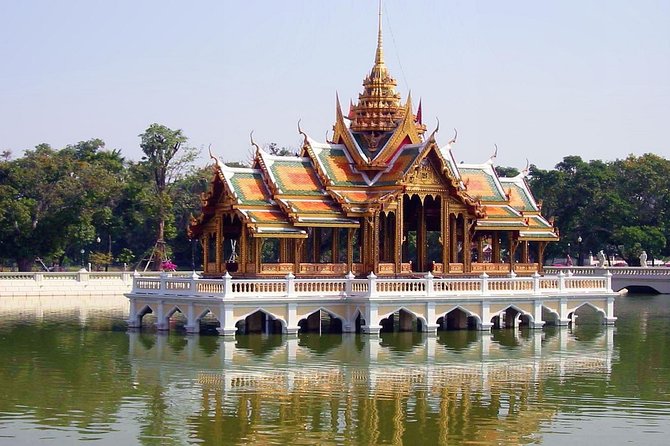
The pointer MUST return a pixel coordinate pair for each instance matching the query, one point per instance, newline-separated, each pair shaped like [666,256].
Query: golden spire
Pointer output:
[378,108]
[379,55]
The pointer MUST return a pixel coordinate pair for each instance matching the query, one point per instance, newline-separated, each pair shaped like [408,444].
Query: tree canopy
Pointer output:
[56,203]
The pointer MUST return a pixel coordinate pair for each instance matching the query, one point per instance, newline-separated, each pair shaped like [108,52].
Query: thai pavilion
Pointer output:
[381,196]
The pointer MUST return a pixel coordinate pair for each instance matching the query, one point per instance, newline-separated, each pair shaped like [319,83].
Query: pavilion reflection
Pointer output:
[371,390]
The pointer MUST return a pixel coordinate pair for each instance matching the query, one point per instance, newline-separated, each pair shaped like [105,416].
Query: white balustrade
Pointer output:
[373,286]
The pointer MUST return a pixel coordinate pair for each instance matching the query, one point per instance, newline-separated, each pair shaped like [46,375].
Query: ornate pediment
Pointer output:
[425,174]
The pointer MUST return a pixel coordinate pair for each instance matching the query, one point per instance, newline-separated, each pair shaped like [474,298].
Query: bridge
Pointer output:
[369,305]
[634,279]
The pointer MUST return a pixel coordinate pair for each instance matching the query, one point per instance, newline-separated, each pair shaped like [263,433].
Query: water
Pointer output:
[76,375]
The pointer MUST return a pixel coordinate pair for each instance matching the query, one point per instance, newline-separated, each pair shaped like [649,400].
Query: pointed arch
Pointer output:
[506,319]
[314,321]
[358,320]
[397,320]
[249,322]
[451,320]
[146,309]
[173,310]
[550,316]
[597,310]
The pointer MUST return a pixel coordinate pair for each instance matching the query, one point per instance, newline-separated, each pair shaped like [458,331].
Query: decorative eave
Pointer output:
[267,175]
[406,132]
[342,135]
[208,200]
[473,204]
[308,152]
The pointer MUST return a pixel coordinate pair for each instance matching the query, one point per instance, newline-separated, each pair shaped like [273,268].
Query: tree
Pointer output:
[506,172]
[634,239]
[160,145]
[49,199]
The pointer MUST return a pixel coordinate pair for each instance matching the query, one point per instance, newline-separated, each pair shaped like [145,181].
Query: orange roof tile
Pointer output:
[481,184]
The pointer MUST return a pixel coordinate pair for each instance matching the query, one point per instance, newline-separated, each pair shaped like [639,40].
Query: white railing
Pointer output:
[661,271]
[350,287]
[79,276]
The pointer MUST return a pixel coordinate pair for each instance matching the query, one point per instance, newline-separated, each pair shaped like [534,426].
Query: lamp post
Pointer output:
[82,257]
[580,260]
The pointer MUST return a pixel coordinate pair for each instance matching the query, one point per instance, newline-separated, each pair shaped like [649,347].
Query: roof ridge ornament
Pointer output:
[526,170]
[437,129]
[494,156]
[253,143]
[217,163]
[304,135]
[452,141]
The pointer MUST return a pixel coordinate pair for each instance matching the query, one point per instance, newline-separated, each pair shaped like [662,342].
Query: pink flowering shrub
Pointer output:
[167,265]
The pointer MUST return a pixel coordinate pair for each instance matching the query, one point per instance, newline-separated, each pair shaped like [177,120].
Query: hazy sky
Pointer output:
[541,79]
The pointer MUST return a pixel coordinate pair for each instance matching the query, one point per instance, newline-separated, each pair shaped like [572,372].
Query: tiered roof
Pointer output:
[367,164]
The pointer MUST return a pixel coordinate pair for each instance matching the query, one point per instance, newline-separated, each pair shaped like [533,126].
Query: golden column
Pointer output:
[350,249]
[219,246]
[496,248]
[399,227]
[524,252]
[467,257]
[446,238]
[244,254]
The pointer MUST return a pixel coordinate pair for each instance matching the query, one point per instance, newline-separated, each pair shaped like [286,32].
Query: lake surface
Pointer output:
[76,375]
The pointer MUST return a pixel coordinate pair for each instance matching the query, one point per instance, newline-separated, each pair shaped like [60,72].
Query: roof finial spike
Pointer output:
[494,156]
[217,163]
[526,170]
[253,143]
[437,129]
[304,135]
[453,140]
[379,55]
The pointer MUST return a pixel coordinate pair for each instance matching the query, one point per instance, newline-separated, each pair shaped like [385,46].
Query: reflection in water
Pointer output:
[68,379]
[370,391]
[458,340]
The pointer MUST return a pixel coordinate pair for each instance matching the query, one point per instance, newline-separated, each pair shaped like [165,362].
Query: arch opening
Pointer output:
[209,322]
[146,317]
[511,317]
[321,322]
[176,319]
[587,314]
[549,316]
[260,322]
[641,289]
[401,321]
[457,319]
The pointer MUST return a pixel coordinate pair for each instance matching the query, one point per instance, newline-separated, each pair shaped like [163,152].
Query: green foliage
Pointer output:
[100,259]
[54,203]
[50,198]
[635,239]
[624,203]
[125,256]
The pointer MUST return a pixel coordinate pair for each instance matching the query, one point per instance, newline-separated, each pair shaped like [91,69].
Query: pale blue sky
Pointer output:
[541,79]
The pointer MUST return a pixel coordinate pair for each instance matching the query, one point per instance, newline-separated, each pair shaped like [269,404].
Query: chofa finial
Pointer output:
[217,163]
[304,135]
[253,143]
[494,156]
